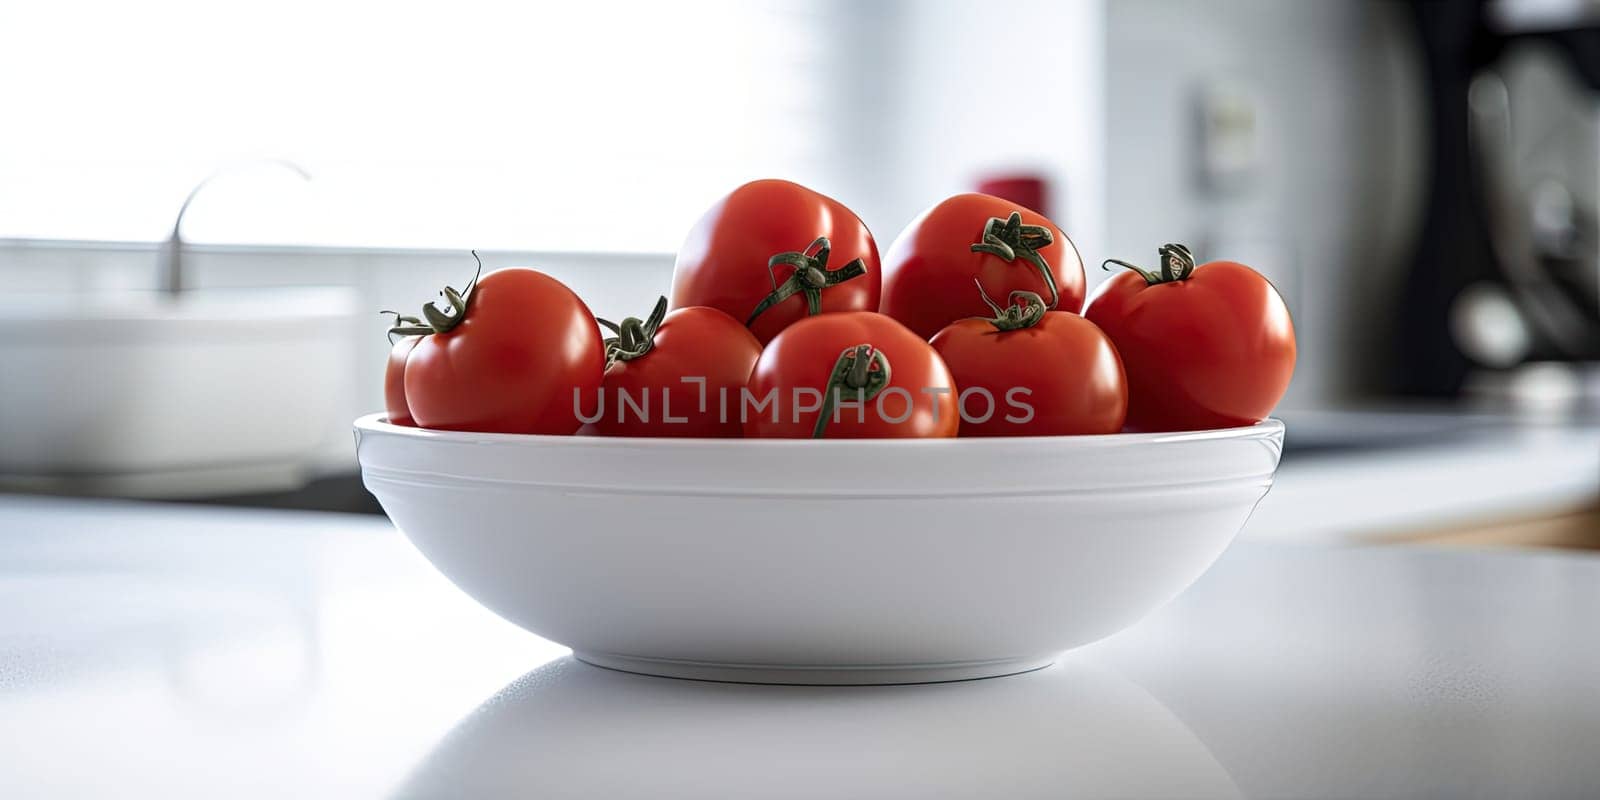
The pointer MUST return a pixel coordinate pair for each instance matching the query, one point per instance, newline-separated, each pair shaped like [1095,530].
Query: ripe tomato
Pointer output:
[1032,372]
[677,372]
[774,252]
[510,355]
[1204,347]
[928,272]
[394,376]
[819,370]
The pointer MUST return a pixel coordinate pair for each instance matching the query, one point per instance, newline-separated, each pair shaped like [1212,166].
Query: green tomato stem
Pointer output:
[863,371]
[1177,264]
[634,337]
[811,276]
[1016,315]
[1008,239]
[438,319]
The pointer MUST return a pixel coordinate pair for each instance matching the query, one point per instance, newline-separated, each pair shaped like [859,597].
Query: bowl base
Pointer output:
[866,675]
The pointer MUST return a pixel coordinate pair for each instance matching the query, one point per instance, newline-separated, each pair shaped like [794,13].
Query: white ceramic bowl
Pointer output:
[847,561]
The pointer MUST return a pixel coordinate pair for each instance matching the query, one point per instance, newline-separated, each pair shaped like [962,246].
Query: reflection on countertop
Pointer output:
[1075,729]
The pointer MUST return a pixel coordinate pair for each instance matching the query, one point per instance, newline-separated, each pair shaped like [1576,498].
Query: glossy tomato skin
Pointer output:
[929,270]
[394,387]
[1216,350]
[512,364]
[697,343]
[723,262]
[1073,377]
[804,355]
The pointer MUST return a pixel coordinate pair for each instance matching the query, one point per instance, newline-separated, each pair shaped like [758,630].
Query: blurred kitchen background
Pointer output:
[203,206]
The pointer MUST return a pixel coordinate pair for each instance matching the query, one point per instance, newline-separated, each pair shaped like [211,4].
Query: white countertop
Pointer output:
[151,650]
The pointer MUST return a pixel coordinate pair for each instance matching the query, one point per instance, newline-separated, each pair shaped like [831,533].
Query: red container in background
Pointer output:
[1025,189]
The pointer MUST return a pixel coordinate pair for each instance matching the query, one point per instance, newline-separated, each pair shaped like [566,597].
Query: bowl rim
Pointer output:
[377,423]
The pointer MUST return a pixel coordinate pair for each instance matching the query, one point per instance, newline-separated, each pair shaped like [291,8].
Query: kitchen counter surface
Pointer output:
[1422,473]
[151,650]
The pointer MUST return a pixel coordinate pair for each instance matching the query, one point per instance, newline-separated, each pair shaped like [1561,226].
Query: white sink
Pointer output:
[150,394]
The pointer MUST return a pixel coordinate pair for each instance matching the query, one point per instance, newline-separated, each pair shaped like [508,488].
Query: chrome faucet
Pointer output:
[172,271]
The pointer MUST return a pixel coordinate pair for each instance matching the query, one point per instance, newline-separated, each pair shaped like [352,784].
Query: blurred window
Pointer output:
[559,126]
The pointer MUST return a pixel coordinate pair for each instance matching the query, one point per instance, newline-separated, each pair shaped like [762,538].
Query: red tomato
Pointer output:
[816,363]
[1031,372]
[678,371]
[774,252]
[394,376]
[1204,347]
[510,356]
[928,273]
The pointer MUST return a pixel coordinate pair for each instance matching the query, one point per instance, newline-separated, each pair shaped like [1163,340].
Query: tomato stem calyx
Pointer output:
[436,318]
[403,325]
[811,276]
[1177,263]
[862,370]
[634,337]
[1009,239]
[1023,309]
